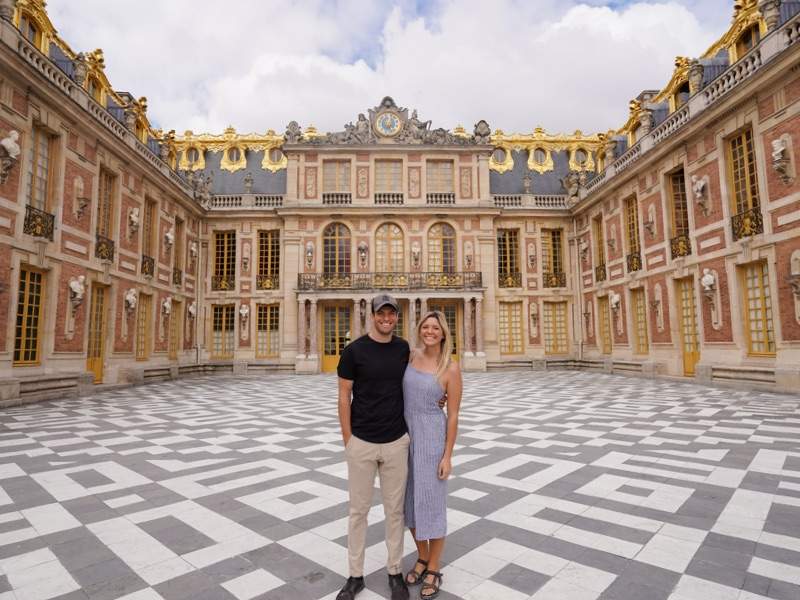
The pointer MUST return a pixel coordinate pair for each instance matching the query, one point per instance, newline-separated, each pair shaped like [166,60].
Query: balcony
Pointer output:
[103,248]
[267,282]
[510,279]
[554,279]
[148,265]
[389,198]
[389,281]
[223,283]
[634,261]
[177,276]
[337,198]
[535,201]
[38,223]
[440,198]
[747,223]
[600,273]
[680,246]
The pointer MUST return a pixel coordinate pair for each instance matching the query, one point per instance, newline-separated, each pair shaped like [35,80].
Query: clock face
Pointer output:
[387,124]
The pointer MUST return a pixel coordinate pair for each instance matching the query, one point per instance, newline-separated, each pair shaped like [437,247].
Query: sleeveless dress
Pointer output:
[426,494]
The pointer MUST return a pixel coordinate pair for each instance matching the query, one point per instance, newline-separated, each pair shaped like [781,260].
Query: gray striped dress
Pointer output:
[426,494]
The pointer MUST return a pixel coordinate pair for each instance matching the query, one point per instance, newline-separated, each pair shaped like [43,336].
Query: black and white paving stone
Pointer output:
[567,486]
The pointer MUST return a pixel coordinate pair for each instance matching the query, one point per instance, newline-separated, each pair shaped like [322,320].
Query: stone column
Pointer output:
[478,326]
[423,307]
[356,333]
[313,328]
[301,327]
[468,325]
[412,321]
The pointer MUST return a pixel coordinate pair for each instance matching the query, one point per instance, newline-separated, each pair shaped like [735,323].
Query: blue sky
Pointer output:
[256,64]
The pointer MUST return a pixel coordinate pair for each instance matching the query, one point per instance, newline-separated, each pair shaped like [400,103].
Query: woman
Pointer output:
[431,371]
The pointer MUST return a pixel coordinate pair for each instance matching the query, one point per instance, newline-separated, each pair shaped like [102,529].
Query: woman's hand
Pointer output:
[445,467]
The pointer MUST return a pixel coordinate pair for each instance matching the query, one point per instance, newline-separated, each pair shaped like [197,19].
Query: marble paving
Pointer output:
[567,486]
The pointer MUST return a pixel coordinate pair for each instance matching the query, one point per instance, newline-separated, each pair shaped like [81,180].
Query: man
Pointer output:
[374,431]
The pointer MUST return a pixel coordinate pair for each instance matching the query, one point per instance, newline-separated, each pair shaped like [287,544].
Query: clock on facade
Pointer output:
[387,124]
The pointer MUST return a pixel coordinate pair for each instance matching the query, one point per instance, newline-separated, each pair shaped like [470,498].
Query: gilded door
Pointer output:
[97,333]
[452,314]
[605,325]
[335,335]
[688,324]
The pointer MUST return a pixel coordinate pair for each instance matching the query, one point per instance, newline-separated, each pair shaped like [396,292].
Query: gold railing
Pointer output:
[554,279]
[148,265]
[634,262]
[510,279]
[38,223]
[747,223]
[388,281]
[680,245]
[223,283]
[103,247]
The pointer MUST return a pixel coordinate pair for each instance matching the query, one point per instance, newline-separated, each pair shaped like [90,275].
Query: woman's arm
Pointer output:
[453,388]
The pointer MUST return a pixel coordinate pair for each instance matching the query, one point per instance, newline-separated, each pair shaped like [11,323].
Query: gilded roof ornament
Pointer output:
[581,149]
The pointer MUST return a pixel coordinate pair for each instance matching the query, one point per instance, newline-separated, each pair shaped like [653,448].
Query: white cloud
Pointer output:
[518,64]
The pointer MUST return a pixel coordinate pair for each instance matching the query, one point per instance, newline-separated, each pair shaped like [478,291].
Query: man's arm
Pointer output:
[345,397]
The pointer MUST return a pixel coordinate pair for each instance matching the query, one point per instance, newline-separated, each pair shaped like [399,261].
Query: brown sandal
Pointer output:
[413,577]
[433,586]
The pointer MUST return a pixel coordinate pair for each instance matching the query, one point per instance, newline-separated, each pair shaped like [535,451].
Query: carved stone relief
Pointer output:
[311,182]
[414,182]
[466,182]
[362,181]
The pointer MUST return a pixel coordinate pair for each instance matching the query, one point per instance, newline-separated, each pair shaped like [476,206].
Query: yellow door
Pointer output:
[97,332]
[688,325]
[605,325]
[335,335]
[452,314]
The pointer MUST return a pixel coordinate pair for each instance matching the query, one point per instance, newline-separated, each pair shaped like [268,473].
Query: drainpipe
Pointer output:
[578,285]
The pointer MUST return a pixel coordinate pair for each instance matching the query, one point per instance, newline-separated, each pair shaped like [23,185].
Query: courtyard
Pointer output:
[567,485]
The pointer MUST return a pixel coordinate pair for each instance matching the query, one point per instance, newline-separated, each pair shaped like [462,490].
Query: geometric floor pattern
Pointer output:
[566,486]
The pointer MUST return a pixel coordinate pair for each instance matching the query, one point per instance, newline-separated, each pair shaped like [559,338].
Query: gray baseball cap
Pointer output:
[378,302]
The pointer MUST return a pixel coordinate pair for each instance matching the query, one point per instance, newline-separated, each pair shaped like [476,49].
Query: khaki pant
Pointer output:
[391,463]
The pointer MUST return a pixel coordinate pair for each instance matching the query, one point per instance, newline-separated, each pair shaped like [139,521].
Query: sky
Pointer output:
[519,64]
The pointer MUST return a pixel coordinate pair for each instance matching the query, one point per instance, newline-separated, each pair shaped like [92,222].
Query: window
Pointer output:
[30,30]
[222,337]
[148,224]
[29,317]
[175,330]
[177,249]
[267,330]
[539,156]
[599,242]
[143,327]
[510,327]
[748,40]
[555,328]
[605,325]
[439,175]
[192,155]
[39,176]
[389,251]
[681,96]
[225,259]
[269,259]
[105,202]
[639,321]
[508,271]
[234,154]
[680,209]
[388,175]
[336,176]
[336,249]
[499,155]
[95,89]
[632,224]
[758,309]
[552,251]
[441,249]
[742,172]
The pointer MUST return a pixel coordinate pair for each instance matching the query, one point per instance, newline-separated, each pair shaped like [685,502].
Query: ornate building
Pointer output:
[669,246]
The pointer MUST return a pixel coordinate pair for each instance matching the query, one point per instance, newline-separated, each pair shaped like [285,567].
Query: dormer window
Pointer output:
[30,30]
[681,96]
[192,155]
[499,155]
[581,157]
[234,155]
[275,155]
[94,89]
[748,40]
[539,156]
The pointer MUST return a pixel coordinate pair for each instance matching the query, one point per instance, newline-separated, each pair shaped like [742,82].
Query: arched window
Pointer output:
[192,155]
[30,29]
[336,249]
[95,89]
[748,40]
[389,251]
[234,154]
[441,248]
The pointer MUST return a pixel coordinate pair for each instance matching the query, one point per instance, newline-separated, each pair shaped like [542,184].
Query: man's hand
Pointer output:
[443,400]
[346,438]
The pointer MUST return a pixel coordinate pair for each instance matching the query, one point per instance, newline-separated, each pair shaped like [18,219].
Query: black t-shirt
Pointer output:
[376,370]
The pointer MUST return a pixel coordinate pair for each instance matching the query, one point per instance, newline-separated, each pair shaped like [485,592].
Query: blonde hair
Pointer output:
[445,346]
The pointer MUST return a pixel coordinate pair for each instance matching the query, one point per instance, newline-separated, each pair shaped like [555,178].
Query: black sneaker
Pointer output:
[352,586]
[398,586]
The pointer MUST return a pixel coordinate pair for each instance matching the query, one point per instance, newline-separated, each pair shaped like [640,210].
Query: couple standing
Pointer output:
[393,424]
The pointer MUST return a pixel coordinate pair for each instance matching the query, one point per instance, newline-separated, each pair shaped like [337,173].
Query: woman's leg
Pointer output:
[423,552]
[435,547]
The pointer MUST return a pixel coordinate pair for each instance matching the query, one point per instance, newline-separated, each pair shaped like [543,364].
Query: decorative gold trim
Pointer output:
[254,142]
[745,14]
[543,167]
[506,165]
[539,138]
[679,76]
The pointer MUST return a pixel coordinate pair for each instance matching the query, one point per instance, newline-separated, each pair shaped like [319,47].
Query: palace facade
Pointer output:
[670,246]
